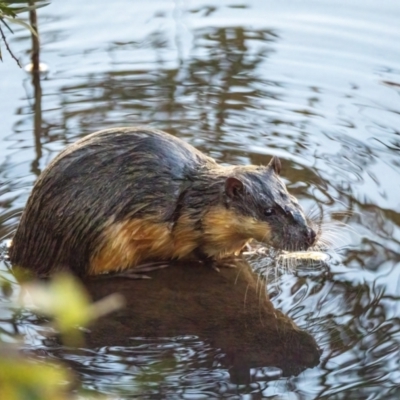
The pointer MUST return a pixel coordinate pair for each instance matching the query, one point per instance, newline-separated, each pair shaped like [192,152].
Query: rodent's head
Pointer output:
[271,214]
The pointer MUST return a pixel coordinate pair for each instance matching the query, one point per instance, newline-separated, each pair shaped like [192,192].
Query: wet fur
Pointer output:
[119,197]
[132,242]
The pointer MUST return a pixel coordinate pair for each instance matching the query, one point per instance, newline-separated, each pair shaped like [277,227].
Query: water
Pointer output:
[316,83]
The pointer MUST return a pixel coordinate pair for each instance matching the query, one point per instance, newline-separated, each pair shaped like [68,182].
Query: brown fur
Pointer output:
[226,232]
[126,244]
[185,237]
[129,243]
[122,197]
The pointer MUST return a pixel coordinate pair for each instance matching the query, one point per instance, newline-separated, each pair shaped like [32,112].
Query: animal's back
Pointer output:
[105,178]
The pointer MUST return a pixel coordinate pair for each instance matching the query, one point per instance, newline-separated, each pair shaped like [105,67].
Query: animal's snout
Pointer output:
[310,236]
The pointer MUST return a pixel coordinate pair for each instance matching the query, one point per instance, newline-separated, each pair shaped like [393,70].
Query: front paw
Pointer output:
[216,264]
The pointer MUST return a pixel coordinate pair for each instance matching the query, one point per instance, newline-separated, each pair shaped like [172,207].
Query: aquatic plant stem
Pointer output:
[35,58]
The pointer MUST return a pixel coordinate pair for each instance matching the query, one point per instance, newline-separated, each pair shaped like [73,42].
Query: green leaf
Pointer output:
[21,22]
[25,379]
[66,301]
[29,8]
[6,11]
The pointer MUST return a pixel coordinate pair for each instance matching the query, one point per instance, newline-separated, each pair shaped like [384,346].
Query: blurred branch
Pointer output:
[9,14]
[7,46]
[35,38]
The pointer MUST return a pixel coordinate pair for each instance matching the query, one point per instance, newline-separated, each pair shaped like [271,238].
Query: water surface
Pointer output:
[316,83]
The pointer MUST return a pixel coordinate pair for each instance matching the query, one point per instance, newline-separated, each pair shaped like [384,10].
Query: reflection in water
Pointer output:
[221,74]
[179,329]
[357,325]
[37,121]
[317,85]
[190,301]
[37,108]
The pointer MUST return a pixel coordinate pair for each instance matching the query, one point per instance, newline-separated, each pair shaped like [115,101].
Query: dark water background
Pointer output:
[315,82]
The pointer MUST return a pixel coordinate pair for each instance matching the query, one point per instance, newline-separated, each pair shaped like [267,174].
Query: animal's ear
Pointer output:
[275,164]
[233,187]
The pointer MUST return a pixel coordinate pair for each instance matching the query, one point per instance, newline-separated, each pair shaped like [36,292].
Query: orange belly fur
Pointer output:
[132,242]
[226,233]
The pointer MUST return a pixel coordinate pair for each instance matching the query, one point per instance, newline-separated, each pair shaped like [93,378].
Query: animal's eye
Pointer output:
[269,211]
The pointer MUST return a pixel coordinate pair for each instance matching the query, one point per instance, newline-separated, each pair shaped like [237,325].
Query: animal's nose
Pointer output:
[310,236]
